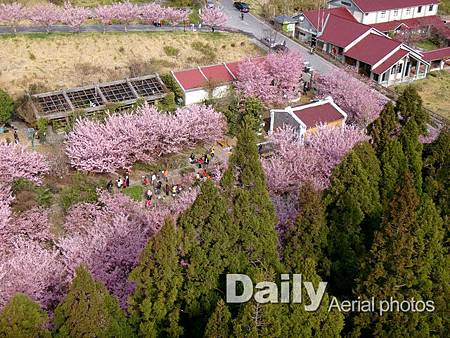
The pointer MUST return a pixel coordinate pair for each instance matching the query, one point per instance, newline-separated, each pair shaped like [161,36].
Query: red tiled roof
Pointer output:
[217,74]
[316,115]
[379,5]
[190,79]
[438,54]
[193,78]
[390,61]
[372,48]
[432,20]
[341,32]
[317,16]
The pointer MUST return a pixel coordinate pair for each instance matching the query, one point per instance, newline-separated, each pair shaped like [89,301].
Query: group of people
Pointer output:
[202,161]
[155,186]
[121,183]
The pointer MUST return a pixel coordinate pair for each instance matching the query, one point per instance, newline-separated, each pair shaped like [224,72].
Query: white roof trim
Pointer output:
[358,39]
[387,56]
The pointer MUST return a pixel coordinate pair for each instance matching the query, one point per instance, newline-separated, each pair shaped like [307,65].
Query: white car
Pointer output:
[210,3]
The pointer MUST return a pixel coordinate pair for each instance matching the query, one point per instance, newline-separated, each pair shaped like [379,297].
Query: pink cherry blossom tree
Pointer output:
[74,16]
[18,162]
[296,162]
[106,14]
[125,12]
[45,14]
[110,238]
[141,136]
[175,16]
[12,14]
[362,103]
[213,17]
[274,80]
[152,12]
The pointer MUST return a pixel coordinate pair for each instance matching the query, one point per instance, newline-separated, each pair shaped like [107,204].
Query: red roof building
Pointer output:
[317,17]
[341,32]
[380,5]
[439,58]
[372,48]
[307,117]
[197,83]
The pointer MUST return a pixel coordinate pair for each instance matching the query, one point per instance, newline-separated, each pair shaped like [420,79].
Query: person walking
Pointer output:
[109,186]
[167,189]
[16,137]
[242,15]
[166,175]
[119,183]
[127,180]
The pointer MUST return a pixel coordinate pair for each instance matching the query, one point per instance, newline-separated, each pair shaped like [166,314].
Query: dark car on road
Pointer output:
[242,6]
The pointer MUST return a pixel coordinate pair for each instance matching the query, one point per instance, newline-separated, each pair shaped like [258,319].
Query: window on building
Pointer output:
[399,68]
[408,11]
[395,12]
[419,9]
[430,8]
[382,14]
[366,14]
[345,3]
[394,70]
[384,77]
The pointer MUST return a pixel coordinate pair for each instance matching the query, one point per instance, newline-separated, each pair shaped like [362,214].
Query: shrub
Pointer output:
[82,188]
[41,126]
[171,51]
[173,86]
[167,103]
[6,107]
[28,194]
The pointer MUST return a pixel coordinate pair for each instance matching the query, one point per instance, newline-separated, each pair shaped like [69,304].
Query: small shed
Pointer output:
[307,117]
[285,23]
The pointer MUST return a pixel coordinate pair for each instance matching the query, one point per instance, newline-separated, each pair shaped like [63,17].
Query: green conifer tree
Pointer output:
[219,324]
[436,170]
[393,166]
[404,264]
[21,317]
[352,199]
[381,130]
[410,107]
[154,305]
[208,238]
[252,210]
[89,310]
[412,148]
[307,237]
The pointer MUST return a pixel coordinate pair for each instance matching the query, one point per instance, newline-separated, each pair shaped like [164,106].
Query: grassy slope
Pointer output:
[52,61]
[434,92]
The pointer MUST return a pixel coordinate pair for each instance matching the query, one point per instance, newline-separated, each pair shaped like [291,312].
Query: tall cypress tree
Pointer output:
[21,317]
[208,236]
[252,210]
[381,130]
[307,237]
[410,107]
[436,170]
[352,198]
[154,305]
[304,247]
[219,324]
[89,310]
[393,166]
[402,264]
[412,148]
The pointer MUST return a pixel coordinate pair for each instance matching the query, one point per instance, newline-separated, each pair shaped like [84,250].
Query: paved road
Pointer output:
[260,29]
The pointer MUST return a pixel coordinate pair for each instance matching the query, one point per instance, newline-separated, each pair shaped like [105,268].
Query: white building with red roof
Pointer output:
[207,82]
[372,53]
[438,58]
[307,117]
[201,83]
[371,12]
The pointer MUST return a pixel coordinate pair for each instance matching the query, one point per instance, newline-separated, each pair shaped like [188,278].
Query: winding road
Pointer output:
[253,25]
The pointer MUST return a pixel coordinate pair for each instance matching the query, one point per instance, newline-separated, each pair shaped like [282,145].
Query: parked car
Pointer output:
[242,6]
[210,3]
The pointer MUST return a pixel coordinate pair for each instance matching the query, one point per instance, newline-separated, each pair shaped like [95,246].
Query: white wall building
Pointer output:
[372,12]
